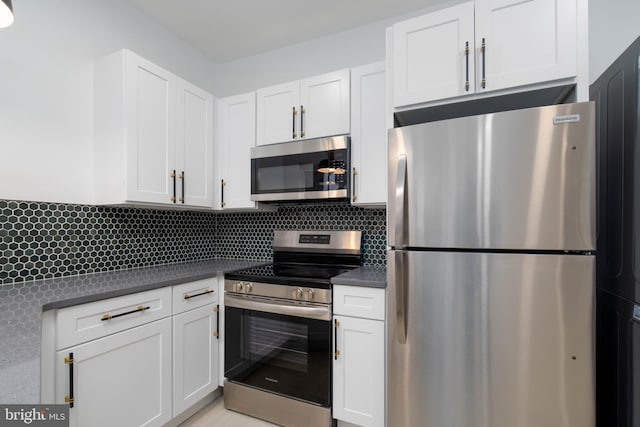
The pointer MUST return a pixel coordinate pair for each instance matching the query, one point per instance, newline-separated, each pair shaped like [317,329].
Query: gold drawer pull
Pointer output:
[208,291]
[109,317]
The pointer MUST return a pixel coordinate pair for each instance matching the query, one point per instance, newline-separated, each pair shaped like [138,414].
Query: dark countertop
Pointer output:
[371,277]
[22,304]
[99,286]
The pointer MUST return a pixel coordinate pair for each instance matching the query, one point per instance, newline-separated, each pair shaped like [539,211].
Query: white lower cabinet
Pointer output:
[195,356]
[358,366]
[122,379]
[141,359]
[195,342]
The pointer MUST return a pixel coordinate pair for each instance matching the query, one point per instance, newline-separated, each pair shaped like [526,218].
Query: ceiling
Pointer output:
[225,30]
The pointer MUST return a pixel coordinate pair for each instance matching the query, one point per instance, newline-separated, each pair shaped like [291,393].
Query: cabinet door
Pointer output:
[358,371]
[194,146]
[368,135]
[324,105]
[278,113]
[195,356]
[237,134]
[526,41]
[430,60]
[150,94]
[123,379]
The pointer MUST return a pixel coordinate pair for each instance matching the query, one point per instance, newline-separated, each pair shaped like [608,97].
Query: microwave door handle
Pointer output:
[400,200]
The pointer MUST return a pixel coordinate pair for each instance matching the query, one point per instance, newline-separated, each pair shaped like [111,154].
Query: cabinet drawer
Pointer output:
[194,294]
[93,320]
[359,301]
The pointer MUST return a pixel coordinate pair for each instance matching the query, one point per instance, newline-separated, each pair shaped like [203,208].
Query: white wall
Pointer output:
[341,50]
[358,46]
[46,89]
[613,26]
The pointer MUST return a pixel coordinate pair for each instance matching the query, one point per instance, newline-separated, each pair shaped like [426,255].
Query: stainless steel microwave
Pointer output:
[309,169]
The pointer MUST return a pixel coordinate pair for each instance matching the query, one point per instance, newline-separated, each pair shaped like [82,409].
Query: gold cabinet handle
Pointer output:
[353,185]
[187,296]
[222,185]
[109,317]
[173,176]
[293,127]
[181,199]
[466,56]
[69,398]
[483,49]
[336,324]
[216,310]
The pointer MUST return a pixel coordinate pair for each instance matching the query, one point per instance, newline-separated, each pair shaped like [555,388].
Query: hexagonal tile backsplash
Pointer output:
[43,240]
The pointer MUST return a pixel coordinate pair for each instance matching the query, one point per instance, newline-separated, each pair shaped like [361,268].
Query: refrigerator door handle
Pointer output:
[401,180]
[400,280]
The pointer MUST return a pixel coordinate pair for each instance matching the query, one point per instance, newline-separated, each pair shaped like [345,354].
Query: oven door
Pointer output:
[280,353]
[311,169]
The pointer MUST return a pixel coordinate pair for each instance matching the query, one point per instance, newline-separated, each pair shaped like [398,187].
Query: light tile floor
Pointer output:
[215,415]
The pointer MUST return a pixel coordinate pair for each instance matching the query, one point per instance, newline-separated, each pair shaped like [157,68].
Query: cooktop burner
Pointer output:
[306,258]
[295,275]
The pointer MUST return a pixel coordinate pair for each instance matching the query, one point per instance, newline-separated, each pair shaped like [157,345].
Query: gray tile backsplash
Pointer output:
[44,240]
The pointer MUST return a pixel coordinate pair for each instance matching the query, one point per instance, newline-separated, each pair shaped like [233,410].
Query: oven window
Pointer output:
[282,354]
[279,342]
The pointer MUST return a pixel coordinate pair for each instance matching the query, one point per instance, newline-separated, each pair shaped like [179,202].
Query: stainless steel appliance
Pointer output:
[278,328]
[308,169]
[491,270]
[617,96]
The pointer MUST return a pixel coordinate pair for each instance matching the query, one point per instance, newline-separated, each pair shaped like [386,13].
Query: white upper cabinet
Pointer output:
[430,60]
[483,46]
[308,108]
[153,135]
[368,135]
[324,103]
[525,41]
[236,134]
[194,145]
[149,111]
[278,113]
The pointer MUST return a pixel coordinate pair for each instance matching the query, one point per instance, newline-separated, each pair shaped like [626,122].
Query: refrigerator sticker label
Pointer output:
[574,118]
[636,312]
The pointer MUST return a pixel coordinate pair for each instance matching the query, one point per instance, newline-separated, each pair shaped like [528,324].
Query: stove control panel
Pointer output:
[303,294]
[298,293]
[243,287]
[315,239]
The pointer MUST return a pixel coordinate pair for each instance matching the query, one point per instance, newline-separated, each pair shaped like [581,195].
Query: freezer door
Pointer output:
[522,179]
[490,340]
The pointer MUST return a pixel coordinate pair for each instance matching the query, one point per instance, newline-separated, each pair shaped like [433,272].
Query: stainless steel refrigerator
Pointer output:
[490,299]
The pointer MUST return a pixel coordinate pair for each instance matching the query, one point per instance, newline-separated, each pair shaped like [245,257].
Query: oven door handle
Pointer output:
[277,306]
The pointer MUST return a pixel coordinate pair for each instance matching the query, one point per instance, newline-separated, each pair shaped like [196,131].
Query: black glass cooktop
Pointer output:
[291,274]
